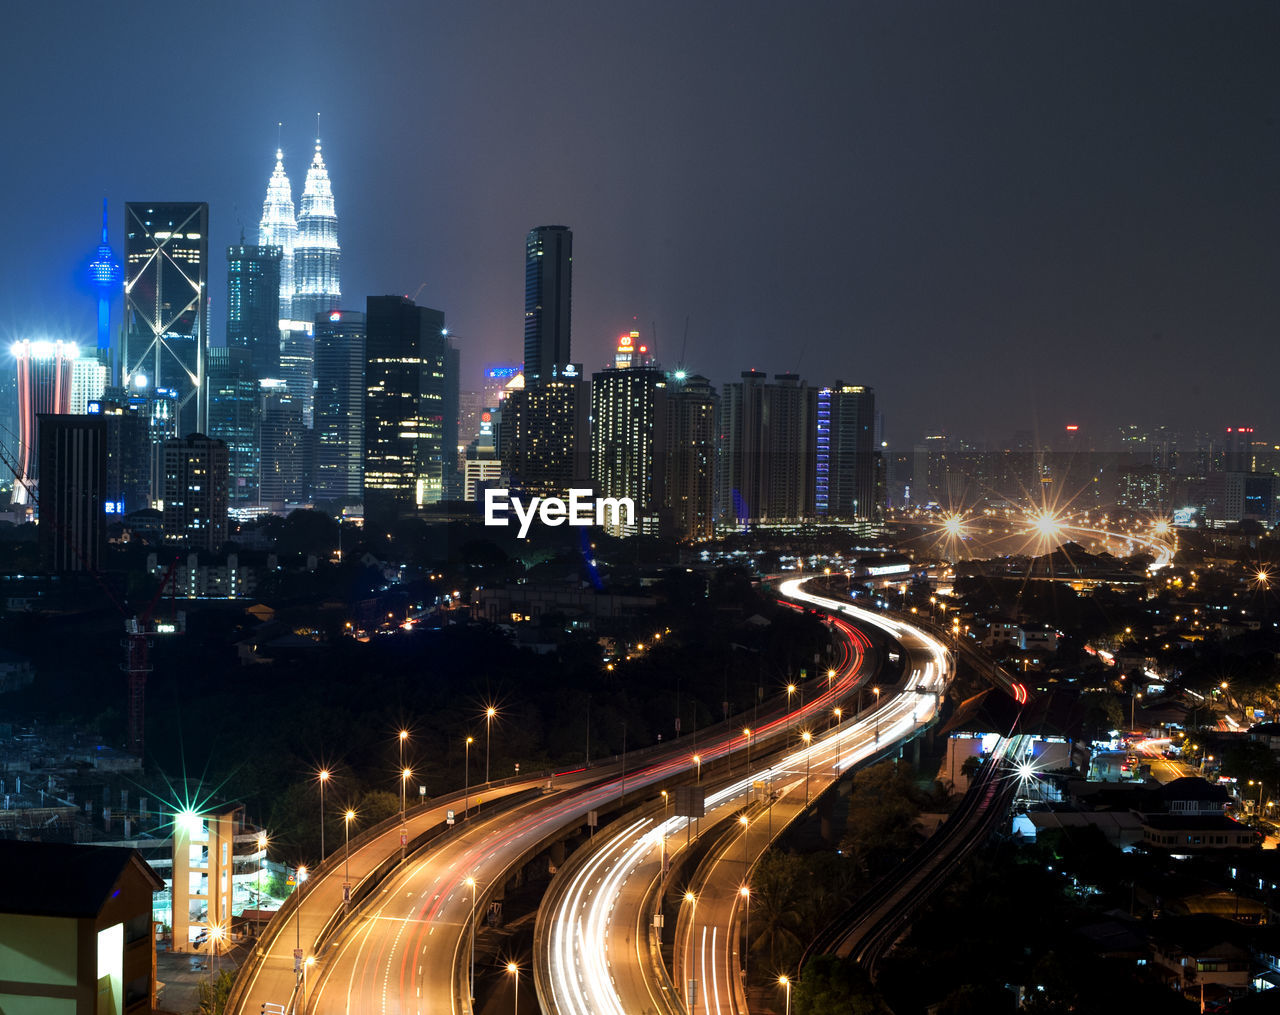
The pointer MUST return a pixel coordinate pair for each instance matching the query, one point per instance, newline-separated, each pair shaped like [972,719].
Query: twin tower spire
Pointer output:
[309,267]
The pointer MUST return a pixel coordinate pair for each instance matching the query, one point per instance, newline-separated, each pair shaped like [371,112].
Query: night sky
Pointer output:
[1001,215]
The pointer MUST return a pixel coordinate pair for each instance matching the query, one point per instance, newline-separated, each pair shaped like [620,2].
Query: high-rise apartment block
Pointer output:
[166,317]
[286,449]
[128,452]
[195,492]
[548,290]
[411,403]
[544,434]
[847,459]
[339,406]
[690,448]
[768,460]
[253,305]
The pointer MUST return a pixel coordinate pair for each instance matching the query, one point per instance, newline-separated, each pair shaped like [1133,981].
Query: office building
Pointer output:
[544,434]
[253,305]
[339,406]
[548,290]
[768,461]
[497,379]
[279,228]
[627,422]
[297,365]
[73,485]
[410,409]
[234,420]
[166,316]
[195,492]
[88,381]
[43,386]
[286,448]
[316,255]
[689,444]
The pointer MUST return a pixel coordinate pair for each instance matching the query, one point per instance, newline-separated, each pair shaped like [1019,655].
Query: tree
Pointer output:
[883,807]
[776,916]
[213,994]
[830,985]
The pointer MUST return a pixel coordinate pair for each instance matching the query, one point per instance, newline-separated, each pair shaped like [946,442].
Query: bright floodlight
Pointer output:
[1046,523]
[512,967]
[954,526]
[1025,770]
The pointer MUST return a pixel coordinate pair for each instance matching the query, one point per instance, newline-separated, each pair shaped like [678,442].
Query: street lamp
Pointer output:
[297,935]
[807,737]
[471,994]
[751,791]
[876,692]
[466,791]
[405,774]
[745,822]
[830,676]
[839,715]
[323,776]
[346,861]
[404,735]
[785,981]
[489,714]
[216,934]
[514,970]
[666,799]
[791,690]
[262,848]
[691,980]
[744,893]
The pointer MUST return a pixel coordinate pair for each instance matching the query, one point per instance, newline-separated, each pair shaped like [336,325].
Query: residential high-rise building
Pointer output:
[279,228]
[627,421]
[166,316]
[316,255]
[44,386]
[544,434]
[234,420]
[286,448]
[768,460]
[253,305]
[195,492]
[105,275]
[548,291]
[689,442]
[339,406]
[847,454]
[411,385]
[73,485]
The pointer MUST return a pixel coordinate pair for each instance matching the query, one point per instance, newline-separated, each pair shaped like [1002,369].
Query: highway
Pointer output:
[593,949]
[408,950]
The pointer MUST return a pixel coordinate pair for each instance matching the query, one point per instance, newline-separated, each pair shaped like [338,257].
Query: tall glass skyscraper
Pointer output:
[233,419]
[339,406]
[548,289]
[279,228]
[316,254]
[253,305]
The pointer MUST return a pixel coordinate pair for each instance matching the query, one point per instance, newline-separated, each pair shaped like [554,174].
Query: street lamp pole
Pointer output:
[751,790]
[346,860]
[691,981]
[745,893]
[489,713]
[404,735]
[466,792]
[471,883]
[514,970]
[808,738]
[324,777]
[839,716]
[786,982]
[297,936]
[257,912]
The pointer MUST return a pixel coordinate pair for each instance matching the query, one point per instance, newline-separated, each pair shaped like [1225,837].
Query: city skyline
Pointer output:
[1058,208]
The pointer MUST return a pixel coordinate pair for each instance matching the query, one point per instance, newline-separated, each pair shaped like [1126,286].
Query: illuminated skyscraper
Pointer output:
[409,450]
[286,448]
[279,228]
[548,292]
[544,434]
[253,305]
[44,386]
[105,274]
[689,437]
[627,422]
[852,457]
[316,255]
[166,326]
[233,419]
[339,406]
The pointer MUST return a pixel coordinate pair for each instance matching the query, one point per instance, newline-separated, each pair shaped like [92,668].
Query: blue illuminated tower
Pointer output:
[105,275]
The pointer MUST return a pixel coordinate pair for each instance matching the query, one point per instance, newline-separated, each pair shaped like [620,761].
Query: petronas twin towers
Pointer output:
[309,267]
